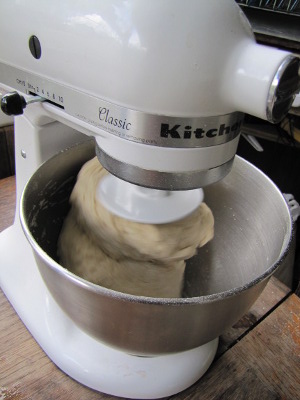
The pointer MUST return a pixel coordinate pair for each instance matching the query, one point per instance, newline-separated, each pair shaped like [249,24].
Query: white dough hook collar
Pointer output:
[144,205]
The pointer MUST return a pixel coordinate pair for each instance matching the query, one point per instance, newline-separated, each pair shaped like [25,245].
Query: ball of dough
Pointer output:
[130,257]
[80,254]
[121,238]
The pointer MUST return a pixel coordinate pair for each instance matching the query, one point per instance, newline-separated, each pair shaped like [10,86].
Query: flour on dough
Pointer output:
[126,256]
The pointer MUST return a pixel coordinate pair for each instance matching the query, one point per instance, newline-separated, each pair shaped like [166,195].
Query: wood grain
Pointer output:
[7,156]
[274,293]
[264,365]
[7,201]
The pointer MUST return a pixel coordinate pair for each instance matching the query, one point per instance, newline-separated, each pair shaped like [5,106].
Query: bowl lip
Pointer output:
[181,301]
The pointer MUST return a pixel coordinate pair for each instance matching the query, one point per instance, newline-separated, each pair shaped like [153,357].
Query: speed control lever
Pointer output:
[14,103]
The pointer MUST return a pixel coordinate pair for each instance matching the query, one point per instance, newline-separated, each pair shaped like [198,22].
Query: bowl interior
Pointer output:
[252,221]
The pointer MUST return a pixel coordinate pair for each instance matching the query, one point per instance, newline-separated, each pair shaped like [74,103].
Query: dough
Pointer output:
[130,257]
[84,257]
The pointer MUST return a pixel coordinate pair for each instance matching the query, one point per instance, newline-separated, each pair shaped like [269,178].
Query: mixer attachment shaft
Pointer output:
[145,205]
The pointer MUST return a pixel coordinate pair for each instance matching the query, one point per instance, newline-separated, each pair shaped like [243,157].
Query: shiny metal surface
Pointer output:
[163,180]
[153,131]
[285,86]
[130,124]
[252,235]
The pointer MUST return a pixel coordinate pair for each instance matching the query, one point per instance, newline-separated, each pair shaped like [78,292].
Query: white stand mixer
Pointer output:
[165,103]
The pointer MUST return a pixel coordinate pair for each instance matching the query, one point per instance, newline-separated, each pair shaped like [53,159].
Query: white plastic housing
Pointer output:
[142,59]
[146,205]
[161,57]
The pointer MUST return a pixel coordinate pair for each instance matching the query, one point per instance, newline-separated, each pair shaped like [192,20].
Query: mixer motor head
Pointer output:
[162,86]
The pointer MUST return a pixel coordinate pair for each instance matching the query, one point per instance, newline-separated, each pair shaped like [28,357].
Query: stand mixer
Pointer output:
[162,88]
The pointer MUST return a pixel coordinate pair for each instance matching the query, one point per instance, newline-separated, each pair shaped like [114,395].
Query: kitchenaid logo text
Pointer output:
[105,116]
[188,132]
[210,129]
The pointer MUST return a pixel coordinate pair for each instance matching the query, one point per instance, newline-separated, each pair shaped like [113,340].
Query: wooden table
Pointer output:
[258,358]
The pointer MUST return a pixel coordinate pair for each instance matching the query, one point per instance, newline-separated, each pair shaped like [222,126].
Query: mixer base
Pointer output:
[83,358]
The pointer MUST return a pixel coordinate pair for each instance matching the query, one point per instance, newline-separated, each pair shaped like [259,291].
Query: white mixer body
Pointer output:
[140,55]
[162,85]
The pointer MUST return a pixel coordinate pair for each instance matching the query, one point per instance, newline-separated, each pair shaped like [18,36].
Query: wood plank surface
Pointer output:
[264,365]
[7,202]
[7,151]
[274,293]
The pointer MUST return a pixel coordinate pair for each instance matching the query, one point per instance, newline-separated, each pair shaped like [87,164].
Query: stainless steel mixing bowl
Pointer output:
[252,235]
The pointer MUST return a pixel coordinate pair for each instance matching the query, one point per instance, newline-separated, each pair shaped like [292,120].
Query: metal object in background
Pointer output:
[285,272]
[275,22]
[282,6]
[294,206]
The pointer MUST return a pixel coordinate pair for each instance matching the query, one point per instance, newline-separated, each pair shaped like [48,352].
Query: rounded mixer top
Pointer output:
[145,205]
[169,115]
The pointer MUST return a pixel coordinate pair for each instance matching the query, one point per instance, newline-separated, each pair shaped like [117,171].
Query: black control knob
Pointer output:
[14,103]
